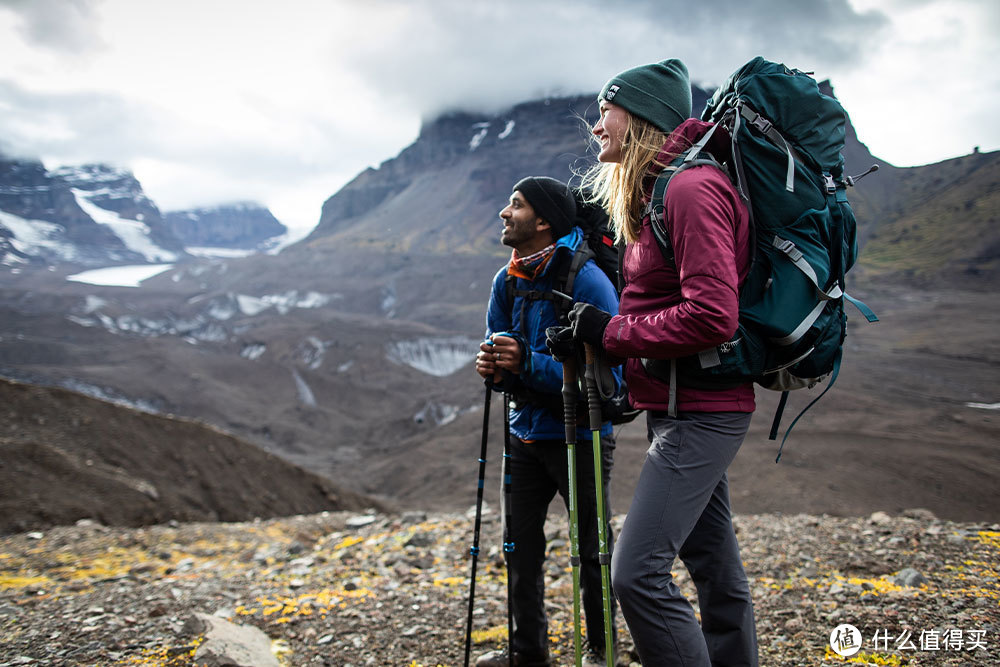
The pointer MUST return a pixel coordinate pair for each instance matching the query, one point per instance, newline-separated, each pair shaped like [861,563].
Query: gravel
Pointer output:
[359,589]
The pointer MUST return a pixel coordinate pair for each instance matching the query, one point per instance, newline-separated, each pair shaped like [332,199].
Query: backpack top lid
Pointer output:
[814,122]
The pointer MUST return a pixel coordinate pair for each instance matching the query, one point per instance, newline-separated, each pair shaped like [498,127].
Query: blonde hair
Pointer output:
[619,186]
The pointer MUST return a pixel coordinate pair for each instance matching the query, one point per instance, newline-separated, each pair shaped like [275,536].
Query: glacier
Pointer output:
[439,357]
[32,236]
[134,234]
[120,276]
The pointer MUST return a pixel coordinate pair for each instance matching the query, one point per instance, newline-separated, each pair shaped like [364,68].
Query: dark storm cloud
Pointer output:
[453,53]
[63,25]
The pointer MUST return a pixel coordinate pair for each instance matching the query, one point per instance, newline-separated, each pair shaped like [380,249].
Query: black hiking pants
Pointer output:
[538,471]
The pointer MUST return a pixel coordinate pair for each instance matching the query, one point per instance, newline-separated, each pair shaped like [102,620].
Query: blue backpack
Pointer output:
[786,163]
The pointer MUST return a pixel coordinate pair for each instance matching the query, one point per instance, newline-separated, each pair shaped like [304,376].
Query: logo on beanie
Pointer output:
[612,91]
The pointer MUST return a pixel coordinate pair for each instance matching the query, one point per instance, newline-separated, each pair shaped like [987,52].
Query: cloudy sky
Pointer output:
[208,101]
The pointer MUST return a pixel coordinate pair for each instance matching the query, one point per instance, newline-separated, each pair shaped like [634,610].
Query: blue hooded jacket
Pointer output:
[539,371]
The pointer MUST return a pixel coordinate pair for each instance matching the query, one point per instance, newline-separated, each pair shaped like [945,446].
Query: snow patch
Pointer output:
[437,413]
[10,259]
[227,253]
[82,321]
[93,303]
[192,329]
[313,351]
[439,357]
[305,393]
[507,130]
[389,301]
[478,137]
[34,237]
[252,305]
[983,406]
[134,234]
[222,311]
[110,396]
[120,276]
[253,351]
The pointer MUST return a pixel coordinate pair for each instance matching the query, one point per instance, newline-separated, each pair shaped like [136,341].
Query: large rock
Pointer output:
[229,645]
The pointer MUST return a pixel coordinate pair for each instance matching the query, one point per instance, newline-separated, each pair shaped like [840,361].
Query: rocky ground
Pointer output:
[374,589]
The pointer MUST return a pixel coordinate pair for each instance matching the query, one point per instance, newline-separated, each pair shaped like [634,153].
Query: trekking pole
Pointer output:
[508,545]
[569,392]
[474,550]
[594,405]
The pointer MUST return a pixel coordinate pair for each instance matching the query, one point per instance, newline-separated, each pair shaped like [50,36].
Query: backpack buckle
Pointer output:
[762,124]
[831,185]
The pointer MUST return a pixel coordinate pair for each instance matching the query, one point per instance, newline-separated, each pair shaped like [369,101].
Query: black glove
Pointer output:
[589,323]
[560,342]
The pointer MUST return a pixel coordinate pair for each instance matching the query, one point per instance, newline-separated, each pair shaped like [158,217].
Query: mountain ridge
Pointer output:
[320,354]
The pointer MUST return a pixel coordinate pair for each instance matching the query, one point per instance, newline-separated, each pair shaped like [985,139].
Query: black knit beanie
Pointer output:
[659,92]
[552,201]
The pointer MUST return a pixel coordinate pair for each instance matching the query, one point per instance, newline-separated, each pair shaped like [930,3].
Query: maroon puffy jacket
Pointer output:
[672,311]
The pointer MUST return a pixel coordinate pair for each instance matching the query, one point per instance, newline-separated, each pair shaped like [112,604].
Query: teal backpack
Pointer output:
[786,164]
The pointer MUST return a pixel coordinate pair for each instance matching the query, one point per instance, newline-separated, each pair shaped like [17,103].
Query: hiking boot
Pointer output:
[500,659]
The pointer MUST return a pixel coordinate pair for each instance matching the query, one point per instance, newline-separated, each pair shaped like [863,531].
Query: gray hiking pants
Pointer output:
[681,508]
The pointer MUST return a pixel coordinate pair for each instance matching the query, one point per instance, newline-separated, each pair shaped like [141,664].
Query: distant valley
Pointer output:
[349,353]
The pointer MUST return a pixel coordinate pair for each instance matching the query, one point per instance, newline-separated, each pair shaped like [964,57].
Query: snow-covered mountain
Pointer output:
[88,215]
[98,215]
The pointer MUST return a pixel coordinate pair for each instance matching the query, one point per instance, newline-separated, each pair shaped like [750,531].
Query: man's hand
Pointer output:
[486,361]
[589,323]
[560,342]
[500,353]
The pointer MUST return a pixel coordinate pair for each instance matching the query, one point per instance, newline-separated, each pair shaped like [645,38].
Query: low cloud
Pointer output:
[62,25]
[279,102]
[450,54]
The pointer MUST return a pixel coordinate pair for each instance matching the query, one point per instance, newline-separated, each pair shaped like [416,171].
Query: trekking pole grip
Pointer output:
[570,375]
[593,394]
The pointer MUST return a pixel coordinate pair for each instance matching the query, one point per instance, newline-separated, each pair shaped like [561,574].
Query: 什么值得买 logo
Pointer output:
[845,640]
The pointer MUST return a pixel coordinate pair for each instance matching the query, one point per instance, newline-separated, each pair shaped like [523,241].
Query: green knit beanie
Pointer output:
[659,92]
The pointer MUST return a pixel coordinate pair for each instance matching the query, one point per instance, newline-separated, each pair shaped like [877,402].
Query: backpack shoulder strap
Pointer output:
[565,277]
[582,255]
[655,209]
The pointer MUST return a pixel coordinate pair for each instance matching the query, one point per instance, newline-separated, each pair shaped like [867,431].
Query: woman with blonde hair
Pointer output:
[672,308]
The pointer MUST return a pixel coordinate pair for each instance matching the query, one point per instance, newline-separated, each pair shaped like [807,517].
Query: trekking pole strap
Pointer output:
[833,378]
[672,396]
[867,312]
